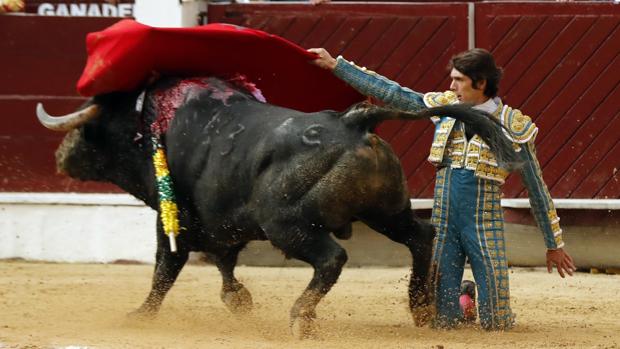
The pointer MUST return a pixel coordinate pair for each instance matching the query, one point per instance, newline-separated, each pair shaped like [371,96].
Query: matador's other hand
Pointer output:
[562,261]
[325,60]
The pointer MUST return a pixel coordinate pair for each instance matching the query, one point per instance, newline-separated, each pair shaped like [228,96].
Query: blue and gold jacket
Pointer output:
[451,147]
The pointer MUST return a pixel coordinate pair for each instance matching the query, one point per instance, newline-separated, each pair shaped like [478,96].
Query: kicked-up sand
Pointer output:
[46,305]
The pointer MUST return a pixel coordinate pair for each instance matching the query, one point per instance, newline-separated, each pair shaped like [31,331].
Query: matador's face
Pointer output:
[464,89]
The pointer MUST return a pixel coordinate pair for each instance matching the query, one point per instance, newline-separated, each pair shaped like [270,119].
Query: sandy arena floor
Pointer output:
[62,305]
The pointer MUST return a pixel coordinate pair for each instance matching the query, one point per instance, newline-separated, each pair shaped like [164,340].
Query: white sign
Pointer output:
[85,10]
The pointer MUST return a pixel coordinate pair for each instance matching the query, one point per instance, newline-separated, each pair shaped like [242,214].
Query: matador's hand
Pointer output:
[562,261]
[325,60]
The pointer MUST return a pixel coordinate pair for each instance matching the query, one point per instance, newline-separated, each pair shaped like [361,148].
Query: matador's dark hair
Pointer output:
[478,64]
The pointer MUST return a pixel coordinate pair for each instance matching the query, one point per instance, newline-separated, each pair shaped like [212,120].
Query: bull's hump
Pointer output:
[167,100]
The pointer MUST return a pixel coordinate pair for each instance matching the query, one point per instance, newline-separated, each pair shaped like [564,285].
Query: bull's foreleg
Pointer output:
[168,265]
[326,257]
[407,229]
[236,297]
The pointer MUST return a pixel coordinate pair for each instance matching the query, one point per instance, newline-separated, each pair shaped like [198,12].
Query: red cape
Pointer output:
[125,55]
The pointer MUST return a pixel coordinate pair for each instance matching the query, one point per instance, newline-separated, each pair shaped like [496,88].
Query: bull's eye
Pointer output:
[312,134]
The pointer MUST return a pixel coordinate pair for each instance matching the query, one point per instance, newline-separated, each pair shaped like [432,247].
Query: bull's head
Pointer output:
[98,140]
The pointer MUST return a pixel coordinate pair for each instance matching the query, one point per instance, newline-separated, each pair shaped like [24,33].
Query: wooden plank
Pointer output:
[588,146]
[583,108]
[406,136]
[563,78]
[428,79]
[591,69]
[422,179]
[342,38]
[301,28]
[566,134]
[513,187]
[256,20]
[419,171]
[324,29]
[391,40]
[429,190]
[497,28]
[44,62]
[278,24]
[515,39]
[366,38]
[574,70]
[607,168]
[407,62]
[611,190]
[408,50]
[548,46]
[434,43]
[525,9]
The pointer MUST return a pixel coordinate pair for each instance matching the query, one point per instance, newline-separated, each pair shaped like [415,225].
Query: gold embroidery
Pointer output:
[521,127]
[435,99]
[450,141]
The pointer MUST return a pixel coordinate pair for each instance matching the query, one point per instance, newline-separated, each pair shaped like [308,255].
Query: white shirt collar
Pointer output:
[490,106]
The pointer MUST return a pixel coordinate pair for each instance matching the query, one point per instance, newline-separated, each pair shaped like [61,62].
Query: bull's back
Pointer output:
[213,148]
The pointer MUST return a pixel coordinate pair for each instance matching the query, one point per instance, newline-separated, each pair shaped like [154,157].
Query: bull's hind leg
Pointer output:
[168,265]
[409,230]
[318,249]
[236,297]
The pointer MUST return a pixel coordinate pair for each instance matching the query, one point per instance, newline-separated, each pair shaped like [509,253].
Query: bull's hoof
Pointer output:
[304,327]
[141,314]
[238,302]
[422,315]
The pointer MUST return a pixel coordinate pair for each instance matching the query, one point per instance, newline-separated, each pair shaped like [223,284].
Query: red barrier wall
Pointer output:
[41,60]
[561,67]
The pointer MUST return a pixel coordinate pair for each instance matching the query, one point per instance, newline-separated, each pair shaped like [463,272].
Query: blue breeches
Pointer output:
[468,217]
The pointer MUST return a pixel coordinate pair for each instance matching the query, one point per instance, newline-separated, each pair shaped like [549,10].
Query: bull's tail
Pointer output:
[367,116]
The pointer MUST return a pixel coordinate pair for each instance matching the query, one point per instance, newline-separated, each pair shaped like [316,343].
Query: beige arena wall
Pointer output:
[106,228]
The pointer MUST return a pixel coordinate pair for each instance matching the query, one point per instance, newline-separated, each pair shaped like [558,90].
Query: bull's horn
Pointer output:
[66,122]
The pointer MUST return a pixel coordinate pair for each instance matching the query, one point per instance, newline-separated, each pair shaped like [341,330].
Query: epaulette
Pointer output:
[521,127]
[436,99]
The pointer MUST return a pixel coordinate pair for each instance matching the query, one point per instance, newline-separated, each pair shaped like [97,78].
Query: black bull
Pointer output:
[244,170]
